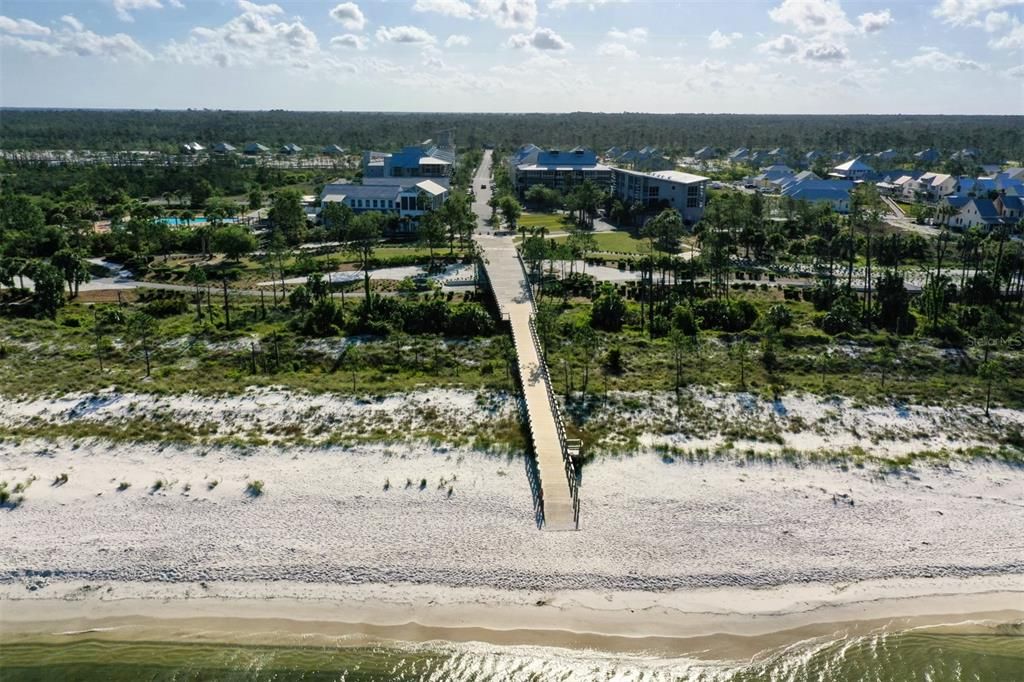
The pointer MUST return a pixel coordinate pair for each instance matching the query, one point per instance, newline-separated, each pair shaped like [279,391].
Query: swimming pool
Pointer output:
[200,220]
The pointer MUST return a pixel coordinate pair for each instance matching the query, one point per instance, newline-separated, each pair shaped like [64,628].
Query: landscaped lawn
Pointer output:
[553,222]
[617,242]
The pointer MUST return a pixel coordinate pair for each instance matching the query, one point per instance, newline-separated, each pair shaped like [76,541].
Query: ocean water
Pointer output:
[991,652]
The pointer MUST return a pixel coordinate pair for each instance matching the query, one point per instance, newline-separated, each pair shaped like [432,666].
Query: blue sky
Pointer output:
[748,56]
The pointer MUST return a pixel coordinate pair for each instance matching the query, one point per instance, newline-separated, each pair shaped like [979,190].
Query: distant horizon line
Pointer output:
[486,113]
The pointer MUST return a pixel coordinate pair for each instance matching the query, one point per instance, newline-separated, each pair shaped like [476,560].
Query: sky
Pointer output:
[719,56]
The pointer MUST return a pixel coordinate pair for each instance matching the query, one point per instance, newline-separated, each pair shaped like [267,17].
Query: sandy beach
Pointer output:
[427,541]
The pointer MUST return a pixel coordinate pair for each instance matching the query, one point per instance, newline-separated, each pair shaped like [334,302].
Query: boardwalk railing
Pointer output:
[569,447]
[564,443]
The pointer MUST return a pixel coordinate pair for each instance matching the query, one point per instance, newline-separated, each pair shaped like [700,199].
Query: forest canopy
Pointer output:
[998,137]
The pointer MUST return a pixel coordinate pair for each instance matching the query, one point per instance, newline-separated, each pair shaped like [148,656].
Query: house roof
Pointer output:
[986,209]
[1012,202]
[805,192]
[223,147]
[256,147]
[957,200]
[431,188]
[405,181]
[332,149]
[669,176]
[291,147]
[364,191]
[853,165]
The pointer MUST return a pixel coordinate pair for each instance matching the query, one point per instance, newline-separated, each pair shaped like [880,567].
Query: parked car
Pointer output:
[483,186]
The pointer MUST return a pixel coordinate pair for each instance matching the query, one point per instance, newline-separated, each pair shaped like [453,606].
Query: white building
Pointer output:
[854,169]
[685,192]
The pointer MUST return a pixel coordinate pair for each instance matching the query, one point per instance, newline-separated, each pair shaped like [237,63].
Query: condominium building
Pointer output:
[685,192]
[556,169]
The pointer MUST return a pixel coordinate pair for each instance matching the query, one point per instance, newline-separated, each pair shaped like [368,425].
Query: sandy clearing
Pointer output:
[326,517]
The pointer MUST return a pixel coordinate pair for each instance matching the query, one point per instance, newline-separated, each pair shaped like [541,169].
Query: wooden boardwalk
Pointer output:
[512,292]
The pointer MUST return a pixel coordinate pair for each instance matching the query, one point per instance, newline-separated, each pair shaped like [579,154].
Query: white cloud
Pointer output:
[828,53]
[22,27]
[349,40]
[253,8]
[124,8]
[935,59]
[540,39]
[872,22]
[968,12]
[1016,72]
[812,16]
[73,39]
[996,21]
[74,23]
[521,14]
[636,35]
[176,4]
[248,39]
[1013,40]
[616,50]
[30,46]
[782,46]
[457,41]
[718,40]
[449,8]
[410,35]
[711,66]
[591,4]
[349,15]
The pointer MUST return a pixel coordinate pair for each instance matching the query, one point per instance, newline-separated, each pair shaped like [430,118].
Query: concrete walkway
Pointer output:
[514,300]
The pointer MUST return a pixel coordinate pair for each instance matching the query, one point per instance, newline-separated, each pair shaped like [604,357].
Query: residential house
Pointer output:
[1011,207]
[786,180]
[332,149]
[223,148]
[410,162]
[705,153]
[930,187]
[855,169]
[967,154]
[255,148]
[291,148]
[771,174]
[192,148]
[835,193]
[757,159]
[557,169]
[738,155]
[812,156]
[930,155]
[685,192]
[648,159]
[887,155]
[978,212]
[409,200]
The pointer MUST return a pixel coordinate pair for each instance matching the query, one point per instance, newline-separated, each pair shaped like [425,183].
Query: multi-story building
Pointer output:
[684,192]
[557,169]
[410,162]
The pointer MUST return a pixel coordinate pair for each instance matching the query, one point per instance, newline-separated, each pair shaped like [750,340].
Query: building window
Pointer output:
[692,203]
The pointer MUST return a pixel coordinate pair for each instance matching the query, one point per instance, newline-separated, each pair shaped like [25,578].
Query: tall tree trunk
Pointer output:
[227,308]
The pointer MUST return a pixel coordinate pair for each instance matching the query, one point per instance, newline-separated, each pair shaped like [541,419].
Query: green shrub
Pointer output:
[254,488]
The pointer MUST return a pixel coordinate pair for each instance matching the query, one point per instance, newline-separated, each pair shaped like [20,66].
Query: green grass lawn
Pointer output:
[619,242]
[553,222]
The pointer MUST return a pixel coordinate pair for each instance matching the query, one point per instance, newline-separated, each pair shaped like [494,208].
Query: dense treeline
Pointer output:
[996,136]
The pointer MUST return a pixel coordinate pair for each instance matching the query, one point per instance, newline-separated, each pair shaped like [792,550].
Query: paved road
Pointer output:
[513,294]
